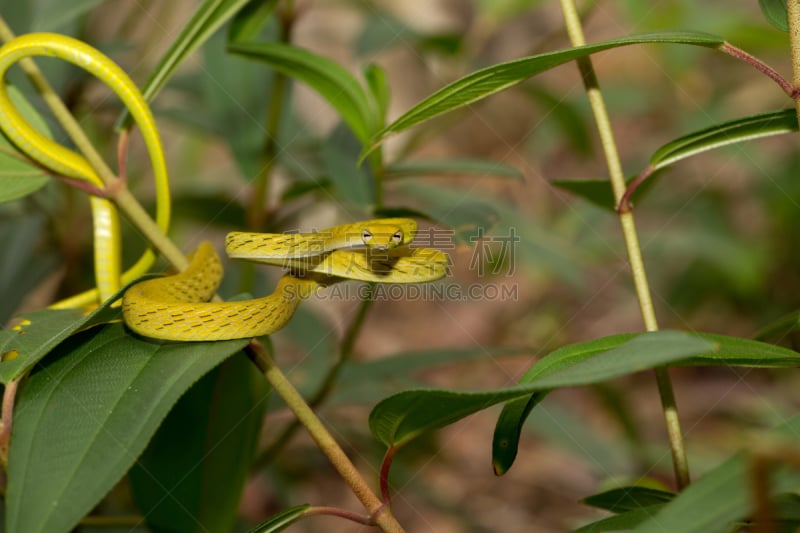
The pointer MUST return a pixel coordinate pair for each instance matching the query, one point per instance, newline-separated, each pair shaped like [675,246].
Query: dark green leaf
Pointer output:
[493,79]
[191,476]
[780,327]
[55,14]
[621,522]
[378,85]
[599,192]
[729,351]
[775,12]
[38,332]
[335,84]
[402,417]
[478,167]
[206,20]
[215,209]
[281,520]
[625,499]
[19,177]
[85,416]
[249,21]
[723,496]
[299,189]
[24,263]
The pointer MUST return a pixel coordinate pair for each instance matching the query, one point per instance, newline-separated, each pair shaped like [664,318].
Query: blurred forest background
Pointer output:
[719,234]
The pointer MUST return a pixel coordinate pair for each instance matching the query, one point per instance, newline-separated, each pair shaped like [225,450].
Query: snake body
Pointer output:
[176,307]
[66,162]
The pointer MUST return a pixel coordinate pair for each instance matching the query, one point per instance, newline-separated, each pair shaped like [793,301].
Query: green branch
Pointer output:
[617,177]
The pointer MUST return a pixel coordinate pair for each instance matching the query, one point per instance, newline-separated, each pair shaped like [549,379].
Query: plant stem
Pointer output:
[793,16]
[617,177]
[345,351]
[257,214]
[381,514]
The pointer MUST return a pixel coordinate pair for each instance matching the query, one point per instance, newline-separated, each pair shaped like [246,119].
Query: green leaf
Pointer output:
[493,79]
[378,84]
[24,263]
[723,496]
[40,331]
[599,192]
[479,167]
[281,520]
[191,476]
[55,13]
[730,351]
[735,131]
[624,499]
[400,418]
[621,522]
[84,417]
[19,177]
[780,327]
[335,84]
[206,20]
[775,12]
[249,21]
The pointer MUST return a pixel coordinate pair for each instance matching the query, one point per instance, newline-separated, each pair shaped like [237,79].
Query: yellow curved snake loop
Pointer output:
[176,308]
[68,163]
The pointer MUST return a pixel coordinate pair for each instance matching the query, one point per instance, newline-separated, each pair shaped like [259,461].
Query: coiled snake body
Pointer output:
[176,307]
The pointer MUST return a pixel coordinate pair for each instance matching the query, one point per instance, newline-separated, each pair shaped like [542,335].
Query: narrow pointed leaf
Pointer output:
[478,167]
[87,413]
[335,84]
[624,499]
[207,19]
[735,131]
[493,79]
[249,21]
[281,520]
[723,496]
[402,417]
[620,522]
[730,351]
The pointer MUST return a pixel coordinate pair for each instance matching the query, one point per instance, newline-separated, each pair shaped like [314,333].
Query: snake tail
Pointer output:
[176,308]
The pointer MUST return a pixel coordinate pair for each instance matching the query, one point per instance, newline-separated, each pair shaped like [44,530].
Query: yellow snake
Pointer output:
[176,307]
[65,162]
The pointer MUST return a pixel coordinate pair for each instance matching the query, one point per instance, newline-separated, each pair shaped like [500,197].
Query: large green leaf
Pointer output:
[206,20]
[38,332]
[493,79]
[724,495]
[620,522]
[332,81]
[87,413]
[730,351]
[191,476]
[399,418]
[19,177]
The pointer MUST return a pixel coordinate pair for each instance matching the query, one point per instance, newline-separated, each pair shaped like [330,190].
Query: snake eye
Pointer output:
[366,236]
[397,238]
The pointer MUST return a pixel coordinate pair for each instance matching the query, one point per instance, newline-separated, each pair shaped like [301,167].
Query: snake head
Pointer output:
[382,238]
